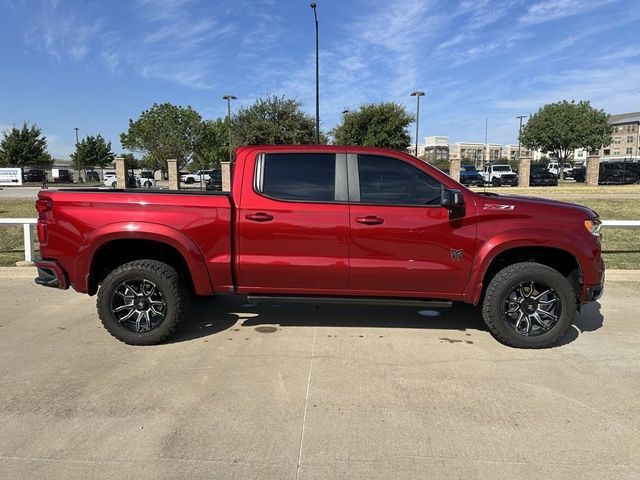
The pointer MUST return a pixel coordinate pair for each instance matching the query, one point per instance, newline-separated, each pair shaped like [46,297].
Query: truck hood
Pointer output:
[521,204]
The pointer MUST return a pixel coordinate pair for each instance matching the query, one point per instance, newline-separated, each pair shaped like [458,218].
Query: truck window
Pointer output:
[308,177]
[389,181]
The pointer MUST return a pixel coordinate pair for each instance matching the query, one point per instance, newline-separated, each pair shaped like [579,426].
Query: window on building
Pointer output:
[300,176]
[629,150]
[606,151]
[389,181]
[629,138]
[616,140]
[631,128]
[616,151]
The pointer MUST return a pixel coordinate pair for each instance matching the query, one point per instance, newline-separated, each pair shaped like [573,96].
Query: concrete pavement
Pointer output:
[294,391]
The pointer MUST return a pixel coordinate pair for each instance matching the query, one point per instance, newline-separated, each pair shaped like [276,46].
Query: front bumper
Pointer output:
[594,293]
[51,274]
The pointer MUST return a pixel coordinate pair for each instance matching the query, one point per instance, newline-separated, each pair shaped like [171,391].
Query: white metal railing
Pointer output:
[27,233]
[621,223]
[28,237]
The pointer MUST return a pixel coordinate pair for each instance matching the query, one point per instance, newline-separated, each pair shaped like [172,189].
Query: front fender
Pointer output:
[142,231]
[519,238]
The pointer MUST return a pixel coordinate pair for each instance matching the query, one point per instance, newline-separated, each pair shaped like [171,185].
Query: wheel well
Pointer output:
[560,260]
[118,252]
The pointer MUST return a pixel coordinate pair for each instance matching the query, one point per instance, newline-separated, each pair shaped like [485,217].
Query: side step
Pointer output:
[397,302]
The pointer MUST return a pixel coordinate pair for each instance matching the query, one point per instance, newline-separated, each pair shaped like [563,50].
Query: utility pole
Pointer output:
[520,117]
[315,16]
[417,94]
[228,98]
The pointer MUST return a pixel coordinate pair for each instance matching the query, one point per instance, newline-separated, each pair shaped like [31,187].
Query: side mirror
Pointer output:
[451,199]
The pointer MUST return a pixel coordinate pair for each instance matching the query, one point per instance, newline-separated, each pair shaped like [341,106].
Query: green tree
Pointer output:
[164,131]
[565,126]
[24,147]
[272,120]
[212,146]
[375,125]
[131,161]
[92,152]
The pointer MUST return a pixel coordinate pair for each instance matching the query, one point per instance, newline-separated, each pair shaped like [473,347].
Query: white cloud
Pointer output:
[549,10]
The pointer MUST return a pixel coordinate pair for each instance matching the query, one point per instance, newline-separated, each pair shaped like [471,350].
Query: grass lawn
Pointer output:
[621,246]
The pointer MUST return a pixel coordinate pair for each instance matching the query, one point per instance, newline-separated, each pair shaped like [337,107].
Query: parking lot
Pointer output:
[296,391]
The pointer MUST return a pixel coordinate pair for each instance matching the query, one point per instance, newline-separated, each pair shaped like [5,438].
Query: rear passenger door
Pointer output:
[293,224]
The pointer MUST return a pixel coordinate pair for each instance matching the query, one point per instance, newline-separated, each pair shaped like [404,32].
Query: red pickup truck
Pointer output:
[323,224]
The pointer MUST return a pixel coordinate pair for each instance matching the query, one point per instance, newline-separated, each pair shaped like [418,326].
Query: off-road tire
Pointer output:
[504,282]
[167,280]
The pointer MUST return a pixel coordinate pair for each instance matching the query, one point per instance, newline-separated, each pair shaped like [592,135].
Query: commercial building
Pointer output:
[625,140]
[436,148]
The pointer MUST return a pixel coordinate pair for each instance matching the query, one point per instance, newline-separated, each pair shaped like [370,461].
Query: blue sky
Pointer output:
[96,64]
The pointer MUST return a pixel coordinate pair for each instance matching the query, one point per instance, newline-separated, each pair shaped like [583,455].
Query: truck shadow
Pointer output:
[212,315]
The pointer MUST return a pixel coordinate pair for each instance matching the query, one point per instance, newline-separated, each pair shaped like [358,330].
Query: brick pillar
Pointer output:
[524,169]
[174,177]
[593,170]
[225,171]
[121,172]
[454,168]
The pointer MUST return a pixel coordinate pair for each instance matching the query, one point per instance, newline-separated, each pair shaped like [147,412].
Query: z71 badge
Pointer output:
[498,206]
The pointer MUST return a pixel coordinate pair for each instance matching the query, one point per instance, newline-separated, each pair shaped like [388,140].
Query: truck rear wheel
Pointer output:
[529,305]
[142,302]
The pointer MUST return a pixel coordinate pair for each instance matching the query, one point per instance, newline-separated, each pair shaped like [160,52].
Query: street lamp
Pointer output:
[417,94]
[520,117]
[315,16]
[228,98]
[76,129]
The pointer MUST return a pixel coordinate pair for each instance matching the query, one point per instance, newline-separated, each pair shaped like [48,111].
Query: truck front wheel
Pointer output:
[529,305]
[142,302]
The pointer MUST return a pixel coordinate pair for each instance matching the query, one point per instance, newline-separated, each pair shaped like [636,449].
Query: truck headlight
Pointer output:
[594,227]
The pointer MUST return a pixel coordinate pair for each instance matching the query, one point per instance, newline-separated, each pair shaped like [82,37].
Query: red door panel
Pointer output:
[411,251]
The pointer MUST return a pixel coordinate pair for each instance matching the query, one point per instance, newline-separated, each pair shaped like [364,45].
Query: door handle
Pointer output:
[259,217]
[370,220]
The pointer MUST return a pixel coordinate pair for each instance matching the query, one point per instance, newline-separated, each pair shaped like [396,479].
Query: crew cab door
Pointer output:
[292,224]
[403,242]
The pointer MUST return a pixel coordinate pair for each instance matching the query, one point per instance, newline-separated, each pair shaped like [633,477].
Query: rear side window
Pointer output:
[307,177]
[389,181]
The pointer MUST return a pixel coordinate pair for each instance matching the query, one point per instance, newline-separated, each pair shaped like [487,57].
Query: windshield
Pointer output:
[469,168]
[501,168]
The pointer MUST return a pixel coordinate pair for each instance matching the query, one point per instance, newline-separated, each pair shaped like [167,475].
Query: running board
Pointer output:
[393,302]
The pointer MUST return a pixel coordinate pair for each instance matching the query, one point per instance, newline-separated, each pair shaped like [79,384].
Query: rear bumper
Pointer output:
[51,274]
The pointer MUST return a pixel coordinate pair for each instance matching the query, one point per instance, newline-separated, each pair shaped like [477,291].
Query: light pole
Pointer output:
[417,94]
[520,117]
[76,129]
[315,16]
[228,98]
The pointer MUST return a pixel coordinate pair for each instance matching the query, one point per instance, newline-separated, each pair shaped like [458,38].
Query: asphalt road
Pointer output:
[291,392]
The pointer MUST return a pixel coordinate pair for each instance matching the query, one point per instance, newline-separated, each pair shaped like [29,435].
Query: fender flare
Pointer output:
[184,245]
[509,240]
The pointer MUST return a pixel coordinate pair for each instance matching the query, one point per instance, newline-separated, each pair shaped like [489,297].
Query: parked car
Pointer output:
[498,175]
[567,169]
[62,175]
[145,179]
[196,177]
[132,182]
[215,181]
[321,223]
[34,175]
[91,176]
[540,176]
[610,173]
[469,175]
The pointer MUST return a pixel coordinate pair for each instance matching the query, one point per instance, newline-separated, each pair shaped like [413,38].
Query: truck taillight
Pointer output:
[43,205]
